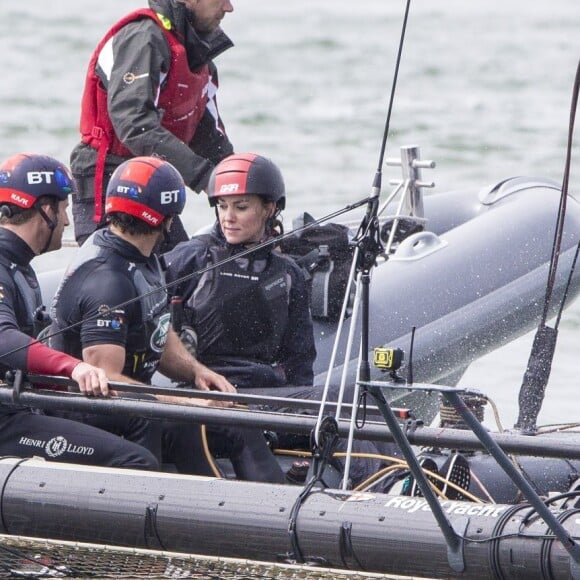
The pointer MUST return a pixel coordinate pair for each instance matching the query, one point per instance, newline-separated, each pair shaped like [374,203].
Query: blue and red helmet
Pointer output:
[247,174]
[147,188]
[27,176]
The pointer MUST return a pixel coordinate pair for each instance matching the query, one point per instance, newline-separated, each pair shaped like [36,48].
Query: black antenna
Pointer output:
[368,237]
[539,365]
[377,182]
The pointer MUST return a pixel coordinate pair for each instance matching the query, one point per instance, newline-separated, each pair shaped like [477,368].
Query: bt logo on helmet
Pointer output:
[36,177]
[170,196]
[229,187]
[128,190]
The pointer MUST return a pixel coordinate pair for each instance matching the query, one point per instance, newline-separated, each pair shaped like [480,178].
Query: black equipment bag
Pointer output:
[325,253]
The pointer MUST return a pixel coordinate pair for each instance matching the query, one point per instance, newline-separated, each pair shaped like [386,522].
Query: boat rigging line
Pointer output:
[531,396]
[541,356]
[267,243]
[367,247]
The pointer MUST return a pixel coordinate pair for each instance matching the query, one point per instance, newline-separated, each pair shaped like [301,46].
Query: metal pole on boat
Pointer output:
[543,511]
[539,446]
[451,531]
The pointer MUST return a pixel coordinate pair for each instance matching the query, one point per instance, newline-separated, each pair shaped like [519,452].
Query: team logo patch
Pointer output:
[129,78]
[113,319]
[63,179]
[118,320]
[229,188]
[129,191]
[159,336]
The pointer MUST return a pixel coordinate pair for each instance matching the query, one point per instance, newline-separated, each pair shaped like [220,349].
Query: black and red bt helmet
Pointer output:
[147,188]
[26,177]
[246,174]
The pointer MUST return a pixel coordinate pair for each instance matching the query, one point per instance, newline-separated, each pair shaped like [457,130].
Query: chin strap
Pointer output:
[51,223]
[166,234]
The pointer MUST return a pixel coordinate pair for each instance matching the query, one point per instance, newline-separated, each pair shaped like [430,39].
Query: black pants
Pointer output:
[26,434]
[246,448]
[143,432]
[181,443]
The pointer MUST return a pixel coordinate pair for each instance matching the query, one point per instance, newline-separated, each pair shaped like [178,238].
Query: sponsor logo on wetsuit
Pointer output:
[159,336]
[113,319]
[56,446]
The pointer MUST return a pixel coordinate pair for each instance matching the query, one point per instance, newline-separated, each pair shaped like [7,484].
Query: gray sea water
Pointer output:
[484,90]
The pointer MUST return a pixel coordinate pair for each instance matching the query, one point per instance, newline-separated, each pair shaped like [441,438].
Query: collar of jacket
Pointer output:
[105,238]
[233,249]
[14,248]
[201,48]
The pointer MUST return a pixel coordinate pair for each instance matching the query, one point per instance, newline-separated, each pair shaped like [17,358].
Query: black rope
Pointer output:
[364,234]
[347,552]
[3,491]
[322,455]
[562,208]
[150,528]
[14,551]
[265,244]
[539,365]
[566,290]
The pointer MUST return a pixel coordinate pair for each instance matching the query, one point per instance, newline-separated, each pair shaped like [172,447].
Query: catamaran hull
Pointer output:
[372,532]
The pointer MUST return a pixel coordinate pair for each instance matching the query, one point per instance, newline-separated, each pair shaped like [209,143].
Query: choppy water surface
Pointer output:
[484,90]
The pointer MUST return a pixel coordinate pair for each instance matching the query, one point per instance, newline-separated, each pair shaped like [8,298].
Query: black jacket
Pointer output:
[290,360]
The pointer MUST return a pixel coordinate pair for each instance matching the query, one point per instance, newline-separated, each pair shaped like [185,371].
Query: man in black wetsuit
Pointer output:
[114,293]
[34,192]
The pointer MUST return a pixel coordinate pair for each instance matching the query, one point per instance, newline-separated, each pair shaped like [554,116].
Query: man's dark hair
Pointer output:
[21,216]
[131,225]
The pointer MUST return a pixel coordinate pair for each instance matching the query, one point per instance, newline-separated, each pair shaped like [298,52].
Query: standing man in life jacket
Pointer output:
[151,90]
[112,310]
[34,192]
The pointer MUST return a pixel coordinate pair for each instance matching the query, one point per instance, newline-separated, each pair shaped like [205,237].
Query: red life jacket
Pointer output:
[183,98]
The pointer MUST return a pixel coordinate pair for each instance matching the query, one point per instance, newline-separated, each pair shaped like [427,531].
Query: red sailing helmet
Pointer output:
[27,176]
[147,188]
[244,174]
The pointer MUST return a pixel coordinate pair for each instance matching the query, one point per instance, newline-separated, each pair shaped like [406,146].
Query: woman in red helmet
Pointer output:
[250,316]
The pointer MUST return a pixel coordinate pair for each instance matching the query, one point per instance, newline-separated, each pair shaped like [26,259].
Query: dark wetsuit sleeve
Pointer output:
[19,351]
[14,342]
[298,351]
[141,48]
[103,321]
